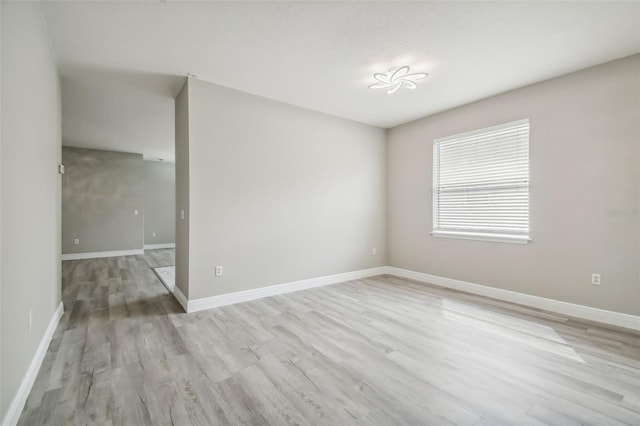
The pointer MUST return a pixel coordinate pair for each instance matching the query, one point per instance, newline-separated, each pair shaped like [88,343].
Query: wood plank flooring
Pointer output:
[378,351]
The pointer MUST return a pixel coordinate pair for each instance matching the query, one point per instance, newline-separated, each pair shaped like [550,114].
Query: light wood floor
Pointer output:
[382,351]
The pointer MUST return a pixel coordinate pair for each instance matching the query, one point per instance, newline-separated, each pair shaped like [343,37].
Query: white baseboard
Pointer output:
[99,254]
[565,308]
[181,298]
[258,293]
[159,246]
[571,309]
[16,406]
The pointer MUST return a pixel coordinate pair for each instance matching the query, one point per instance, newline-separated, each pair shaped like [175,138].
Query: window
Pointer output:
[481,184]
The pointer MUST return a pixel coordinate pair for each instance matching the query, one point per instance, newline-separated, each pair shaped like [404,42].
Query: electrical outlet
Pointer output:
[373,251]
[595,279]
[154,234]
[135,212]
[76,241]
[182,214]
[218,271]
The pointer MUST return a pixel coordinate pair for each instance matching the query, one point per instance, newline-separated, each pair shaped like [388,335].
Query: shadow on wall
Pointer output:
[102,207]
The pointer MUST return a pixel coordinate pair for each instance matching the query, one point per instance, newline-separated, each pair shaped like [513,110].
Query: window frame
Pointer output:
[477,235]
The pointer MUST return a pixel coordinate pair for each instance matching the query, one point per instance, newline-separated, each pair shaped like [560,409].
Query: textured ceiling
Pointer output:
[321,55]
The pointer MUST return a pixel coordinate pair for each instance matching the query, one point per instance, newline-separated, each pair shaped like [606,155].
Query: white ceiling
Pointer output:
[321,55]
[120,111]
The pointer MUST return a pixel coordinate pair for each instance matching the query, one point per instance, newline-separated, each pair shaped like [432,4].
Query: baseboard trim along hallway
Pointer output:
[565,308]
[181,298]
[100,254]
[273,290]
[16,406]
[159,246]
[579,311]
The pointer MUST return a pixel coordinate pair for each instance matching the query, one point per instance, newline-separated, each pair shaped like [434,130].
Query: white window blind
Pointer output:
[481,184]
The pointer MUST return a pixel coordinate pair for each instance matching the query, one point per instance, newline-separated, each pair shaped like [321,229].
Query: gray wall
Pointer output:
[182,190]
[159,202]
[100,191]
[30,249]
[278,193]
[584,145]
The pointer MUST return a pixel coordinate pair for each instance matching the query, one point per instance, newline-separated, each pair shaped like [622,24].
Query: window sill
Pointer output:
[497,238]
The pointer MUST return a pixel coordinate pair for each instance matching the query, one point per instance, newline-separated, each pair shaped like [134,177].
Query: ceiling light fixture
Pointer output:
[397,78]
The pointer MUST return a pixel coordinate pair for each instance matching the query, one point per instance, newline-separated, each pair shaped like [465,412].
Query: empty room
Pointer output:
[320,213]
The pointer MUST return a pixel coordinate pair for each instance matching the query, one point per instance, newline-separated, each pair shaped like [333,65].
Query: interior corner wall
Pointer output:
[278,193]
[182,190]
[101,190]
[584,191]
[30,153]
[159,202]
